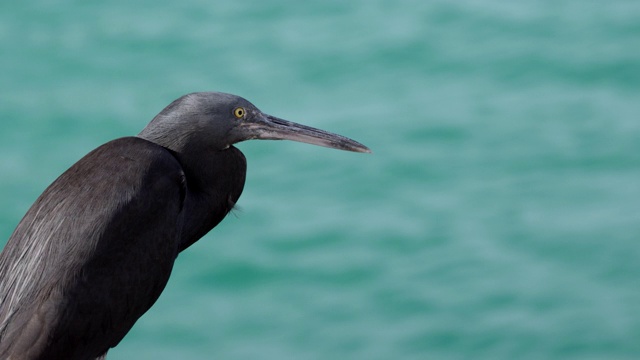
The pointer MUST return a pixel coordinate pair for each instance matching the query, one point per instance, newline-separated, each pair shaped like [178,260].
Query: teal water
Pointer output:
[498,217]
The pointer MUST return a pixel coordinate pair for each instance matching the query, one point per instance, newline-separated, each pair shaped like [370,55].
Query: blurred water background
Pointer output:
[498,217]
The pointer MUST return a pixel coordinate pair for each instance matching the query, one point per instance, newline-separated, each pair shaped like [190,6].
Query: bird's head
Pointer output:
[216,121]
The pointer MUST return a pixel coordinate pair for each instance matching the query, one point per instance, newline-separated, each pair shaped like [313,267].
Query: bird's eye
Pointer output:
[239,112]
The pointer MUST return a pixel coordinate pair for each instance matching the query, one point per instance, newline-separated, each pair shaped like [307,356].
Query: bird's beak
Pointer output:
[268,127]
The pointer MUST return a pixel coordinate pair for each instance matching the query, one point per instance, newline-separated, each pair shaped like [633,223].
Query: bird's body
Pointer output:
[97,248]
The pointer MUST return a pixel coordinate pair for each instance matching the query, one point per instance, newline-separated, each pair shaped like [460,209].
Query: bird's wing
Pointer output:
[93,253]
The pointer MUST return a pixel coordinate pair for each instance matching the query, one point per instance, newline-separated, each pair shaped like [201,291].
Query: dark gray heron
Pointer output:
[96,249]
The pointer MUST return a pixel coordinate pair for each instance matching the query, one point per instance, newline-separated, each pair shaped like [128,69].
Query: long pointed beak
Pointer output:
[269,127]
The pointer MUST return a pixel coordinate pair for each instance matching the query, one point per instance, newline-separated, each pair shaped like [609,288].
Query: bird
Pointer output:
[96,249]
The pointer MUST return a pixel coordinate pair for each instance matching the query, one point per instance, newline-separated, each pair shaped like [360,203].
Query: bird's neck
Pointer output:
[214,182]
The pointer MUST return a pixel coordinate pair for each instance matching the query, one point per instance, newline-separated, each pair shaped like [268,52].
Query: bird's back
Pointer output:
[79,271]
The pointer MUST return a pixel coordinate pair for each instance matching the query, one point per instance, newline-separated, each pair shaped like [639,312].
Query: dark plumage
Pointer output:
[96,249]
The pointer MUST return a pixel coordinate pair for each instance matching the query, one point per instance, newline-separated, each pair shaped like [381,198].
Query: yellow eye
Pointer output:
[239,112]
